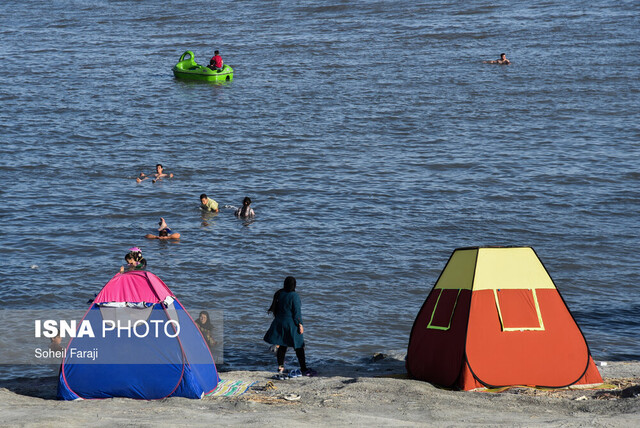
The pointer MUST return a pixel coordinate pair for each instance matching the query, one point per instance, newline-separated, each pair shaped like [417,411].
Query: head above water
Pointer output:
[503,56]
[163,232]
[289,284]
[159,168]
[136,256]
[246,201]
[216,52]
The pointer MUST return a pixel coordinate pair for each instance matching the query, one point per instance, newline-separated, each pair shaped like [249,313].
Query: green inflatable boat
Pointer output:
[188,69]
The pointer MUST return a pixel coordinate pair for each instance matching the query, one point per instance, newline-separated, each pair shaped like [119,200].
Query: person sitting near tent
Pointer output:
[216,62]
[206,328]
[502,61]
[134,260]
[208,204]
[286,329]
[160,174]
[246,211]
[163,232]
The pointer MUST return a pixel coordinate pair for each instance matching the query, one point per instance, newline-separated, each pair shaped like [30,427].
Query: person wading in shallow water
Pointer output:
[208,204]
[245,211]
[286,330]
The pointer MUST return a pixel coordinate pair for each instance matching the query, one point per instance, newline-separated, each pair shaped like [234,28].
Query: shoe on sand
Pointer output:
[295,373]
[310,373]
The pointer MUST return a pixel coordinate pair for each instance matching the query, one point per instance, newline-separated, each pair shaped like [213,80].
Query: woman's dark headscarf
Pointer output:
[289,286]
[244,211]
[207,325]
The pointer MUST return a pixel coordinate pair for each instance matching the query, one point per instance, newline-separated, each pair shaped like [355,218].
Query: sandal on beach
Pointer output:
[291,397]
[310,373]
[295,373]
[280,376]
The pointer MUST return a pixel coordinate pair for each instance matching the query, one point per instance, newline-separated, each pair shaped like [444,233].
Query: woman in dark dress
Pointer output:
[286,329]
[206,328]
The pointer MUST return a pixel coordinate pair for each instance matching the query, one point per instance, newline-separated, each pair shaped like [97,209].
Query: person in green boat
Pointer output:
[216,62]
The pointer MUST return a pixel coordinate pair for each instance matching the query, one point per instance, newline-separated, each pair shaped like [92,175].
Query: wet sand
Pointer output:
[380,396]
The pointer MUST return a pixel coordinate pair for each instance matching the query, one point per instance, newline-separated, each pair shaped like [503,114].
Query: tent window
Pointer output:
[518,310]
[443,310]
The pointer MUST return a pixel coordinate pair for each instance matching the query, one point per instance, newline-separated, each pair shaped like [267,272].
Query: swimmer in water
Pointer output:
[246,211]
[134,260]
[502,61]
[208,204]
[160,174]
[163,232]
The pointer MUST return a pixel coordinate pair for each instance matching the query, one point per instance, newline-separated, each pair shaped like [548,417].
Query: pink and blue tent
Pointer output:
[142,344]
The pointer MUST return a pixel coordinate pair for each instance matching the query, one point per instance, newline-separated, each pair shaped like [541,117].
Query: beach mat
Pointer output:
[231,388]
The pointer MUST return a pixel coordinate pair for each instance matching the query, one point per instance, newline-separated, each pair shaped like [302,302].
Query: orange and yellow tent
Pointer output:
[495,318]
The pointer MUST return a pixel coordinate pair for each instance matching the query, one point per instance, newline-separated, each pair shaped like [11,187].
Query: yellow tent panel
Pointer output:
[510,268]
[458,274]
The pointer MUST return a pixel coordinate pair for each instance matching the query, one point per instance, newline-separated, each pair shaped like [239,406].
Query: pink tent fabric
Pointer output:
[134,286]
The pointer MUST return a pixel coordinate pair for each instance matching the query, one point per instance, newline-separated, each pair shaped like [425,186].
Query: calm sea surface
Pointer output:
[369,134]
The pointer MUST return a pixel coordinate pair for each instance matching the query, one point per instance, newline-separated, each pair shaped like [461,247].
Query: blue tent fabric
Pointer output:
[149,367]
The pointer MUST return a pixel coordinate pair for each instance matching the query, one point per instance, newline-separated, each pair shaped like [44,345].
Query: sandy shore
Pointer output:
[379,397]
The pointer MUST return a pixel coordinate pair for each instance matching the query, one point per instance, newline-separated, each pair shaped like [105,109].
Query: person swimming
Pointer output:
[134,260]
[160,174]
[163,232]
[502,61]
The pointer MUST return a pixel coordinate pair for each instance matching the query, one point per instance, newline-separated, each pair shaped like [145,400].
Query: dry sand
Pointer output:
[379,397]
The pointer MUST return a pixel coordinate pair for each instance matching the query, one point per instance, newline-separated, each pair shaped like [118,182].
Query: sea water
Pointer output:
[370,135]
